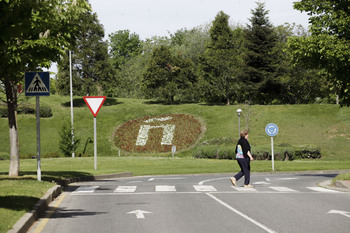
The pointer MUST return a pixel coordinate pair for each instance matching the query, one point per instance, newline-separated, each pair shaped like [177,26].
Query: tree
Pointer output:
[123,46]
[328,46]
[221,61]
[167,75]
[90,58]
[260,40]
[298,84]
[33,33]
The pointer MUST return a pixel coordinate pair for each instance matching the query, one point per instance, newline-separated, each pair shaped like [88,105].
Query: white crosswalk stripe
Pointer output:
[86,189]
[165,188]
[204,188]
[323,190]
[282,189]
[125,189]
[242,189]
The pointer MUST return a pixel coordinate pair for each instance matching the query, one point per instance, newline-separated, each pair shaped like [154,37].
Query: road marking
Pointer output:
[222,178]
[261,182]
[125,189]
[344,213]
[49,213]
[165,188]
[242,189]
[283,189]
[204,188]
[240,213]
[171,178]
[323,190]
[140,214]
[86,189]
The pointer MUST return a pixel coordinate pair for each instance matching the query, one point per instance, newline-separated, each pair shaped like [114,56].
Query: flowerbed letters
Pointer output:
[158,133]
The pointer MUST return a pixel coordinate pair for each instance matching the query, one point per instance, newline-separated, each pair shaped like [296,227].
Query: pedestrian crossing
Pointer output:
[196,188]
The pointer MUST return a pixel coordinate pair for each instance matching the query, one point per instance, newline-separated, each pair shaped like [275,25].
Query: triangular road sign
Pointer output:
[94,103]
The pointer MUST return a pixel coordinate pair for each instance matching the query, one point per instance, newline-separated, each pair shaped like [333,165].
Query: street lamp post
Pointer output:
[239,111]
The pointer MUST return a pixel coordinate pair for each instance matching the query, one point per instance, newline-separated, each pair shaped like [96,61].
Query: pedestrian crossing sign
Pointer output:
[37,83]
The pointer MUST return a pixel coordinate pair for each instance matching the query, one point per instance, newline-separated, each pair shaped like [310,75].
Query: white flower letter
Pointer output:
[168,132]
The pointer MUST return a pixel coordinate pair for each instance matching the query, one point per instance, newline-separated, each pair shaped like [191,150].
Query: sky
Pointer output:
[149,18]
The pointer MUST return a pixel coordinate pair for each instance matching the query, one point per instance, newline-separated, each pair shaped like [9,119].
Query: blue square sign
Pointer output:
[37,83]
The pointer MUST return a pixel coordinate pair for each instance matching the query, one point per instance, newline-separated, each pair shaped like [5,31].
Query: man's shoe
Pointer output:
[248,186]
[233,181]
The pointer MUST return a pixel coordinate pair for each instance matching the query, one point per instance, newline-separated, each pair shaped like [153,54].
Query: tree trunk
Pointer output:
[11,96]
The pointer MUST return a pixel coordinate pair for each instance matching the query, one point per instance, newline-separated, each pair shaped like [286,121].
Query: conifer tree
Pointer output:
[261,84]
[221,62]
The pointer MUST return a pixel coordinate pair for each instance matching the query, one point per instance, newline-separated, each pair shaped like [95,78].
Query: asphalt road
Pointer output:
[200,203]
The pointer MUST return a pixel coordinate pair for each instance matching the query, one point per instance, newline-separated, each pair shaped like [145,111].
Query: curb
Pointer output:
[27,220]
[328,185]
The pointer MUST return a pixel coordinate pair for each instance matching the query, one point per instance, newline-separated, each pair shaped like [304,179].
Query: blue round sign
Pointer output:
[271,129]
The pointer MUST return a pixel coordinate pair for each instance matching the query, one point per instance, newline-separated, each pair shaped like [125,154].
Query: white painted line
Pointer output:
[125,189]
[86,189]
[323,190]
[283,189]
[242,189]
[222,178]
[240,213]
[165,188]
[204,188]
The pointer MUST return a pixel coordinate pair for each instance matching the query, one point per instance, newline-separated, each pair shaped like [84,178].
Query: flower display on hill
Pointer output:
[158,133]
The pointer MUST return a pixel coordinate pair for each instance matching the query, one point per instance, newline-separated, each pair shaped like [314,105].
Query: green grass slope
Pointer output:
[321,126]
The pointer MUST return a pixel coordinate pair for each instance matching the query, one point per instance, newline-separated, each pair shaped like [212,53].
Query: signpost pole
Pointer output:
[272,130]
[95,144]
[273,155]
[38,156]
[37,84]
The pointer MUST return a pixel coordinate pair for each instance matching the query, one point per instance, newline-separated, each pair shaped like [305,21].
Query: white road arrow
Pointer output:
[139,213]
[344,213]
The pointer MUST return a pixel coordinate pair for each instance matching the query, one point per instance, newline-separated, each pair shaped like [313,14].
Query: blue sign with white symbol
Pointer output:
[37,83]
[271,129]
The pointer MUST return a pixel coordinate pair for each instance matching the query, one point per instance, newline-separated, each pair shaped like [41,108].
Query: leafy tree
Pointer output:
[221,61]
[90,59]
[33,33]
[123,46]
[298,85]
[167,75]
[328,46]
[261,84]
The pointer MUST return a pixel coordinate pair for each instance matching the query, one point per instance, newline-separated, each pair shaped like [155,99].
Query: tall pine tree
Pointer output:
[261,85]
[221,62]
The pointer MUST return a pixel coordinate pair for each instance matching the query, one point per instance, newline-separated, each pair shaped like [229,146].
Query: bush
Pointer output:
[3,111]
[65,143]
[281,154]
[45,112]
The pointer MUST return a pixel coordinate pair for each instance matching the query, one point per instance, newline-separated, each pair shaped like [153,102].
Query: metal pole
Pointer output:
[38,156]
[273,155]
[95,144]
[239,125]
[71,98]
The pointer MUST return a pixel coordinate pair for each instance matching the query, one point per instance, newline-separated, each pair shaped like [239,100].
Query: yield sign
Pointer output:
[94,103]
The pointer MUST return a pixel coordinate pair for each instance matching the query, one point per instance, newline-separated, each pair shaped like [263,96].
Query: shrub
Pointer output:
[281,154]
[45,112]
[3,111]
[66,145]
